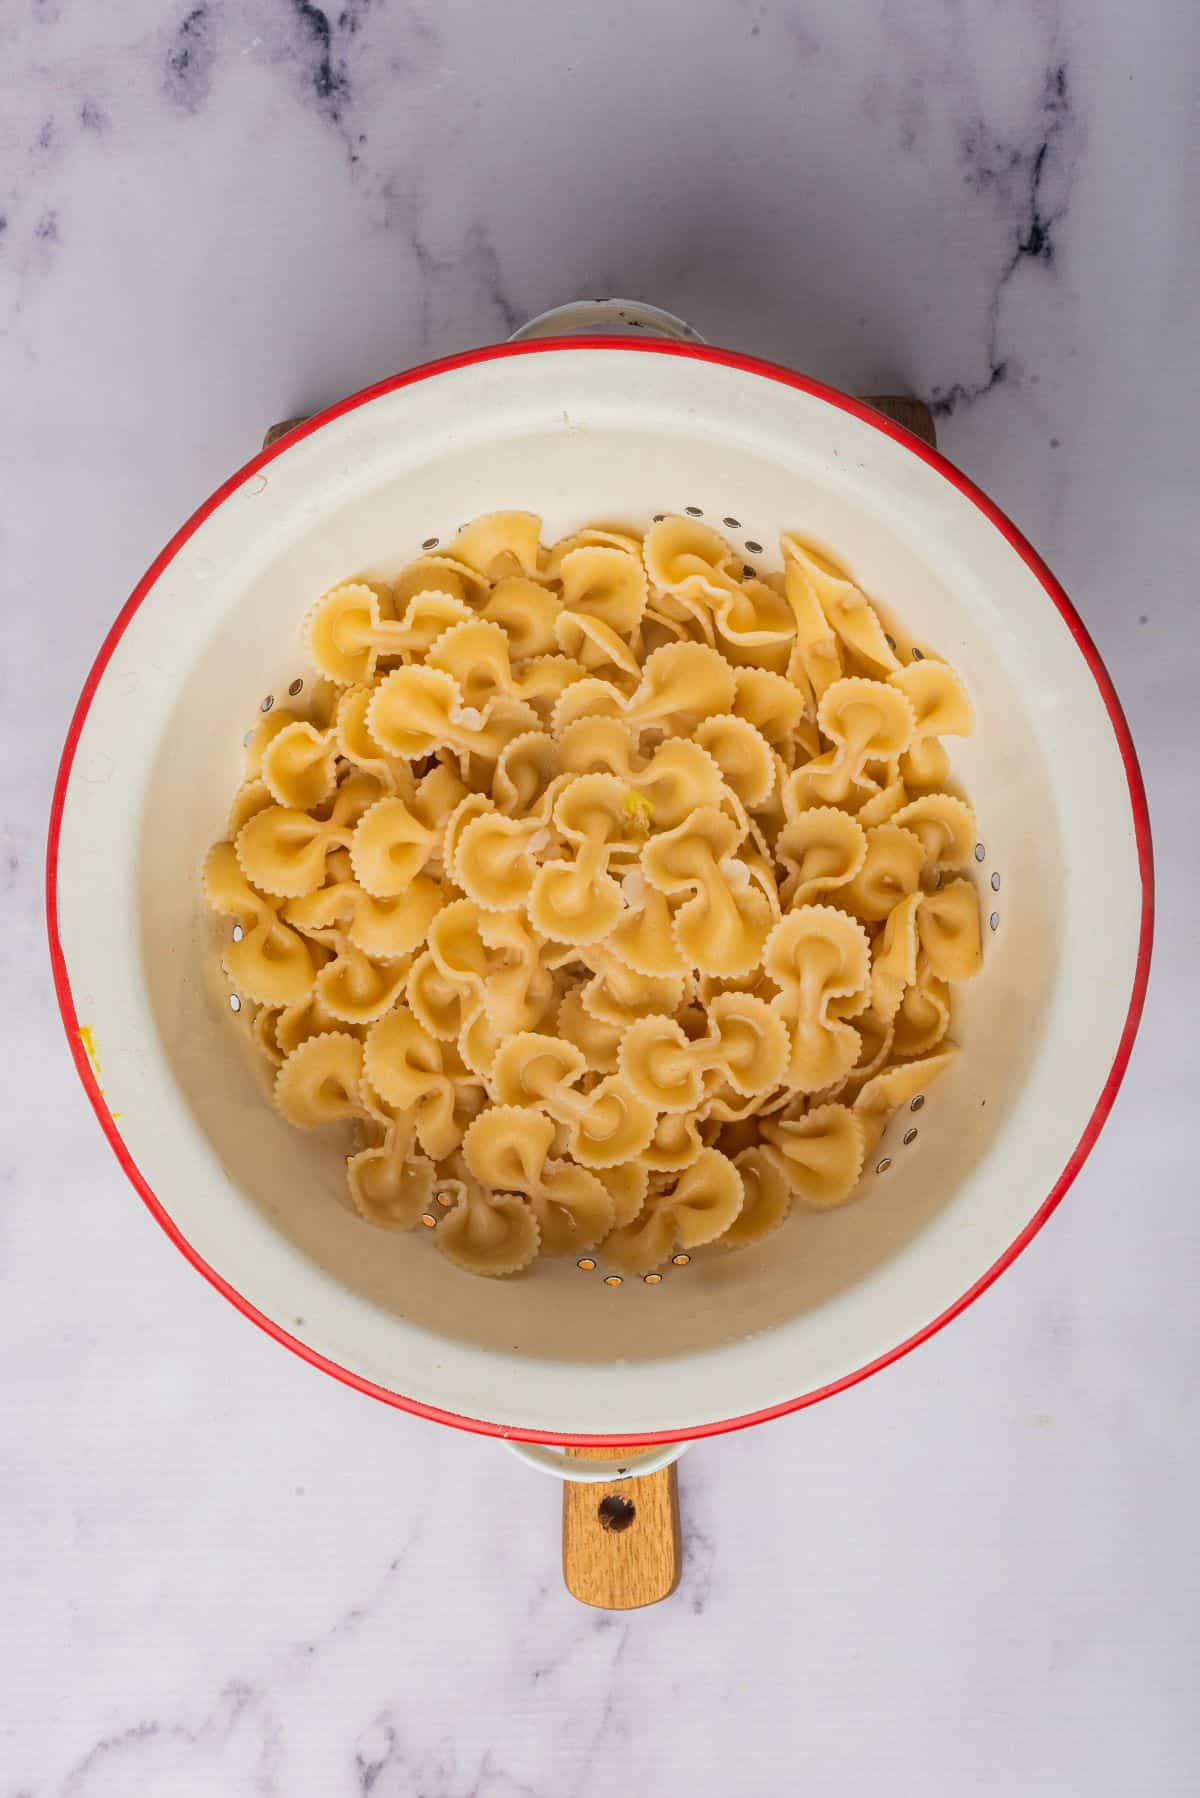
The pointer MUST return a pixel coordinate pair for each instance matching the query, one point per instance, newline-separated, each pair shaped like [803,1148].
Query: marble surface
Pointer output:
[222,1573]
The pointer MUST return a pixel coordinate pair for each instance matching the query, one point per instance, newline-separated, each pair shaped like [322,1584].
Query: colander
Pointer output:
[581,430]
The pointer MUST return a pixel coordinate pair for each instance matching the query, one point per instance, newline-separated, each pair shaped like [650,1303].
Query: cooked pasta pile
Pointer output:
[612,891]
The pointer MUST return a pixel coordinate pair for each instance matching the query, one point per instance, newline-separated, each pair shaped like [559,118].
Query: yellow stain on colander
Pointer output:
[88,1039]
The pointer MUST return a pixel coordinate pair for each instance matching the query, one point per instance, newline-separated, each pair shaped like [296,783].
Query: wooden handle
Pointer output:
[621,1544]
[914,415]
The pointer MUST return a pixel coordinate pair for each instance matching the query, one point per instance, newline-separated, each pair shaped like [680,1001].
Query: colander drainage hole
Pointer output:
[693,512]
[615,1512]
[754,548]
[994,921]
[297,686]
[733,524]
[267,703]
[995,883]
[430,543]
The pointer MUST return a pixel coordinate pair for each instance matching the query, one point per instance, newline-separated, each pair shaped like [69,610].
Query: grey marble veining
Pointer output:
[222,1573]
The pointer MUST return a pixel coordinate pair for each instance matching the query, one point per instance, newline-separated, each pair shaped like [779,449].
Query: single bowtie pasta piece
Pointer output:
[499,544]
[948,925]
[820,960]
[357,989]
[485,1232]
[767,1201]
[390,1185]
[890,870]
[527,612]
[693,1207]
[406,1066]
[742,754]
[605,583]
[270,962]
[299,766]
[389,848]
[684,556]
[940,702]
[894,958]
[347,633]
[847,610]
[822,849]
[945,826]
[321,1081]
[722,926]
[822,1154]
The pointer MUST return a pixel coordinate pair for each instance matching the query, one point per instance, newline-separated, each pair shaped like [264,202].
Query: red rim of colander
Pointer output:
[916,447]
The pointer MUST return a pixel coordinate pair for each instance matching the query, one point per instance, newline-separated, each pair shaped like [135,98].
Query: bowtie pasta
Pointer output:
[614,896]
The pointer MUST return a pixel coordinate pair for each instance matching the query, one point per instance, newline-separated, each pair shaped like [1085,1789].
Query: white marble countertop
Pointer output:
[224,1574]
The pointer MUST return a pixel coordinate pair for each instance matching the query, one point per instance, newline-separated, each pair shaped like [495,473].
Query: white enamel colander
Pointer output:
[582,430]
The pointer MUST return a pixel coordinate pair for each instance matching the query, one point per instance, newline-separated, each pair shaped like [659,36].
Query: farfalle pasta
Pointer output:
[612,894]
